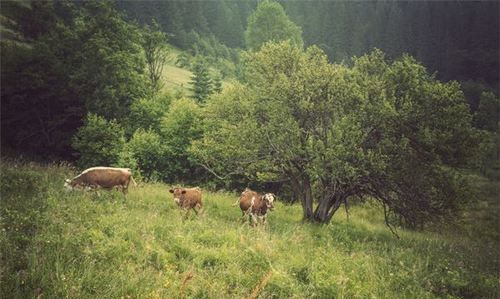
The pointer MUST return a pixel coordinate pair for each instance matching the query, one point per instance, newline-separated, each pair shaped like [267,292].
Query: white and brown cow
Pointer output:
[188,198]
[101,177]
[256,205]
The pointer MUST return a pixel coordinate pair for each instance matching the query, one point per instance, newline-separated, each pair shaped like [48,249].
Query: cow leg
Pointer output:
[125,187]
[200,209]
[346,206]
[188,212]
[254,219]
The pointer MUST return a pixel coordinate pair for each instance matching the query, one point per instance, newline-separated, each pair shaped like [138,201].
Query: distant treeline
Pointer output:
[458,39]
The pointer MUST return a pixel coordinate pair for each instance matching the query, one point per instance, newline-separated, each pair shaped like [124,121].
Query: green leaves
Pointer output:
[269,22]
[382,129]
[146,152]
[99,142]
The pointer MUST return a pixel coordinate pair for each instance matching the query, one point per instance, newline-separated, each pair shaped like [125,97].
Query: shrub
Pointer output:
[99,142]
[180,126]
[147,113]
[146,152]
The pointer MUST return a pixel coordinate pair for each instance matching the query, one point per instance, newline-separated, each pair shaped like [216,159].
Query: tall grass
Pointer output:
[75,245]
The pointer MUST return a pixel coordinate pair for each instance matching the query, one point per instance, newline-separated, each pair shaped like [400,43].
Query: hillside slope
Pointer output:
[174,77]
[75,245]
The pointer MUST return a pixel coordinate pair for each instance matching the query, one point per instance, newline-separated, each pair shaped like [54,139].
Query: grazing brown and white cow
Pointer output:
[256,205]
[188,198]
[101,177]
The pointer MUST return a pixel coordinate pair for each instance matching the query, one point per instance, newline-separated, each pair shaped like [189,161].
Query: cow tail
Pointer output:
[133,181]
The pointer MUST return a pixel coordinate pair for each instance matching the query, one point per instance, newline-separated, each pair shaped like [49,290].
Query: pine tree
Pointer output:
[200,81]
[217,84]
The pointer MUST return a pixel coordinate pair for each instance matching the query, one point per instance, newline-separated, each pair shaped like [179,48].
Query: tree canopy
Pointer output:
[386,130]
[269,22]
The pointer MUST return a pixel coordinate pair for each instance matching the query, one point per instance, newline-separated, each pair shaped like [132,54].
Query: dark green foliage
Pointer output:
[78,59]
[201,84]
[459,40]
[98,142]
[111,75]
[40,110]
[487,116]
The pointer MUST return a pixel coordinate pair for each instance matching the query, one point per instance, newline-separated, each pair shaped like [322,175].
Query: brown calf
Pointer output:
[188,198]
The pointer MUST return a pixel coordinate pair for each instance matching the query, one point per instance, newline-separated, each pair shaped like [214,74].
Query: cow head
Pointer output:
[269,199]
[67,185]
[178,194]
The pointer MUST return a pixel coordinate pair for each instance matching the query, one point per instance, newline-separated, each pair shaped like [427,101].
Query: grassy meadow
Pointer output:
[58,244]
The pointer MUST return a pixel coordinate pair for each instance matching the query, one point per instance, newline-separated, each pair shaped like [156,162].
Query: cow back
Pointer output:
[105,177]
[246,199]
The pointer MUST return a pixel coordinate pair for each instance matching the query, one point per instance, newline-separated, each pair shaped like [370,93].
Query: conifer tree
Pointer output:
[201,81]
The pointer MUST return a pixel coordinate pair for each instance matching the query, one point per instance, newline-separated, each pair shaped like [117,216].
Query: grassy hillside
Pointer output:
[176,78]
[56,245]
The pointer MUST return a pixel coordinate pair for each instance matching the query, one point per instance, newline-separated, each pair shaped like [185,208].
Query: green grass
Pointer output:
[173,77]
[74,245]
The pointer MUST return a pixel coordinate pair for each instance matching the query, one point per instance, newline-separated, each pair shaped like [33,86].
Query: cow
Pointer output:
[101,177]
[188,199]
[256,205]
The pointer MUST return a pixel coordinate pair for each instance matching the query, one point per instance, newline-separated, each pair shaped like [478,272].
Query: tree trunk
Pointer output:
[327,207]
[307,199]
[322,209]
[302,188]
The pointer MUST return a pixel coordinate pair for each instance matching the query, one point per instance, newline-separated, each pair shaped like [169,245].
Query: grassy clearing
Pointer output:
[174,77]
[56,244]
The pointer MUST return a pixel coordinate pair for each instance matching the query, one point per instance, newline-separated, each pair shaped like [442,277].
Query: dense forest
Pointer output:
[320,103]
[457,39]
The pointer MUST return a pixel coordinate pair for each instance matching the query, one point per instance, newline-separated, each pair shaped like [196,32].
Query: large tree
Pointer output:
[75,58]
[156,51]
[384,130]
[269,22]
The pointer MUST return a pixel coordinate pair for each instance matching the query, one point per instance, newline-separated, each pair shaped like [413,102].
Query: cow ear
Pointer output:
[67,181]
[183,191]
[171,190]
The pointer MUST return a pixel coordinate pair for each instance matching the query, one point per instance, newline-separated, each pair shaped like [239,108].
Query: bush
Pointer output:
[146,113]
[145,152]
[99,142]
[180,126]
